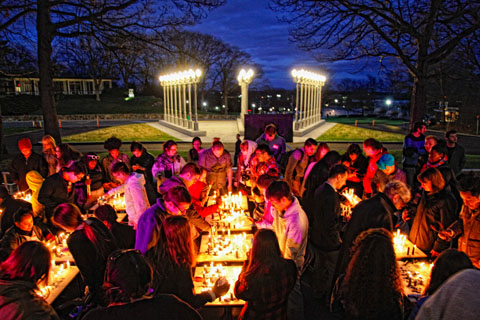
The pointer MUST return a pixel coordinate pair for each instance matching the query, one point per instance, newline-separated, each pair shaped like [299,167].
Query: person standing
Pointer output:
[168,164]
[374,151]
[275,142]
[133,187]
[238,142]
[49,153]
[196,150]
[413,149]
[468,226]
[26,161]
[297,164]
[376,212]
[290,224]
[455,152]
[114,155]
[218,163]
[435,212]
[142,162]
[325,222]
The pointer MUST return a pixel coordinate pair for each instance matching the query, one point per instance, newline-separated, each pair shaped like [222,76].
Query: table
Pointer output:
[415,276]
[205,277]
[224,247]
[236,221]
[60,277]
[404,249]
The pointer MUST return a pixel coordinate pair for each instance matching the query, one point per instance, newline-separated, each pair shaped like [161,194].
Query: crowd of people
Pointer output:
[307,246]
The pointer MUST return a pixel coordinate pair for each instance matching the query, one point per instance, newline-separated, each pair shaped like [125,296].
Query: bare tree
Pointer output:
[74,18]
[419,33]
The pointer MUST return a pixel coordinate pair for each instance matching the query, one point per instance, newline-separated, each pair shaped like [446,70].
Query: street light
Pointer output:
[244,78]
[179,82]
[308,101]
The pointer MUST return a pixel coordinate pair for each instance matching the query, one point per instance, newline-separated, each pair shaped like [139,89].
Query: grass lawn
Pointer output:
[364,120]
[343,132]
[129,132]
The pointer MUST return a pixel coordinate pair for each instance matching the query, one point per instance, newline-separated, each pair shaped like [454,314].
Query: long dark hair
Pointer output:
[29,262]
[372,287]
[265,255]
[68,215]
[447,263]
[68,154]
[176,241]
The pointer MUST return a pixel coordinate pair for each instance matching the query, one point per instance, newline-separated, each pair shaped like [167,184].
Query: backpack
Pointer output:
[283,161]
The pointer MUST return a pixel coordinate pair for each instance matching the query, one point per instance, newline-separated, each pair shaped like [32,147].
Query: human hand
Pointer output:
[405,216]
[221,287]
[434,253]
[446,235]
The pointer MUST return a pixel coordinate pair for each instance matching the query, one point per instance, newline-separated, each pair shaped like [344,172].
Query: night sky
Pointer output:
[253,27]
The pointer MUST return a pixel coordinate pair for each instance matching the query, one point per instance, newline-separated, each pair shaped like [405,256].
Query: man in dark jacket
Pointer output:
[25,162]
[413,148]
[455,152]
[376,212]
[9,207]
[325,226]
[59,188]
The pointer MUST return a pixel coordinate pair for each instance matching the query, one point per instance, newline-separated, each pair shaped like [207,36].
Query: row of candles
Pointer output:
[211,272]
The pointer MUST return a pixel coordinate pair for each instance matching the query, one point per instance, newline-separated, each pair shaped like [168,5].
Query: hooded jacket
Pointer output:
[35,181]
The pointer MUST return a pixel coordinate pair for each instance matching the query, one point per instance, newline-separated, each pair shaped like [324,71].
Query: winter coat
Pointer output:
[166,167]
[54,191]
[376,212]
[146,160]
[456,158]
[434,213]
[468,226]
[217,168]
[18,301]
[14,237]
[148,227]
[20,166]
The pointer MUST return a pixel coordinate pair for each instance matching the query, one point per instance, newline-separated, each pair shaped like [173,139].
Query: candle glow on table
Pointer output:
[353,200]
[207,275]
[23,196]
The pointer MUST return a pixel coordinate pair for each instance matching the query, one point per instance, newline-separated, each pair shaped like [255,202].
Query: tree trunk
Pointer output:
[225,99]
[418,102]
[45,38]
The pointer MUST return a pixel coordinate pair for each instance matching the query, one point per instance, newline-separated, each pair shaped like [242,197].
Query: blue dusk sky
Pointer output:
[254,28]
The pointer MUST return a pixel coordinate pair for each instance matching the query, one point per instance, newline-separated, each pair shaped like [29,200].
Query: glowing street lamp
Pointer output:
[309,97]
[244,78]
[175,86]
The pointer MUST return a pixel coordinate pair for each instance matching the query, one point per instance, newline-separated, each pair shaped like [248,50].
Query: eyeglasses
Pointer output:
[178,208]
[93,157]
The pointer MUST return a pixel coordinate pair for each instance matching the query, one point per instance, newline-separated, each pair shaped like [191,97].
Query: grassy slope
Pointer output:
[343,132]
[130,132]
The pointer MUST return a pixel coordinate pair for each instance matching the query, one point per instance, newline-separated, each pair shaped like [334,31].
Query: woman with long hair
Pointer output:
[90,243]
[266,279]
[173,259]
[26,268]
[49,153]
[66,155]
[127,283]
[168,164]
[436,211]
[372,286]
